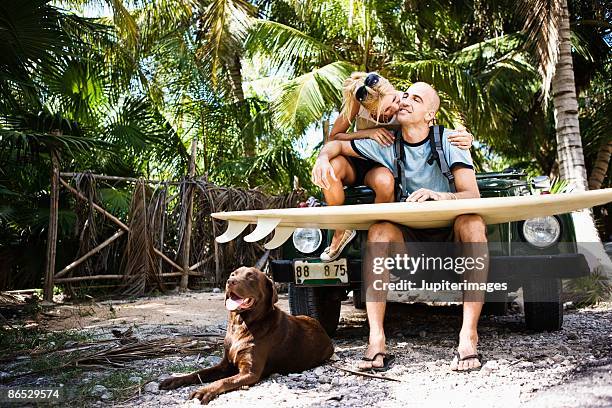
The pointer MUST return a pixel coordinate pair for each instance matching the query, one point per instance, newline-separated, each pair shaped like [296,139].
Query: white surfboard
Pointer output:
[430,214]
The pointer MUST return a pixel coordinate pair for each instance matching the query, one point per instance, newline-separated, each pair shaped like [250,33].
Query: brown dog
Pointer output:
[261,339]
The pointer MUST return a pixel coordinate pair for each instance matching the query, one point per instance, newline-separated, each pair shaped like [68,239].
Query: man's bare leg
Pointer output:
[471,229]
[376,300]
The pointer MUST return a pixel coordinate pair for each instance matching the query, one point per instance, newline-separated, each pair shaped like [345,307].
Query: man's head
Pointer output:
[419,104]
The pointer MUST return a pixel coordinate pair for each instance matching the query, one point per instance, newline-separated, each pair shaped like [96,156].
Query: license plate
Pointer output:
[317,272]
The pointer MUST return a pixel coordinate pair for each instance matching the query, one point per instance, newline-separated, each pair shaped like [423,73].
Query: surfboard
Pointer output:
[429,214]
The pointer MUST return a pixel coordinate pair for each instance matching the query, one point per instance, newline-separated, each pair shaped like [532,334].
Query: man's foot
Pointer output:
[340,240]
[388,360]
[375,354]
[467,357]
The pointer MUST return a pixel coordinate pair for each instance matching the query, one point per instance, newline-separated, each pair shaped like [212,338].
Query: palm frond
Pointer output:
[115,200]
[455,83]
[286,47]
[126,25]
[305,99]
[141,269]
[34,36]
[139,132]
[542,18]
[223,27]
[77,89]
[31,141]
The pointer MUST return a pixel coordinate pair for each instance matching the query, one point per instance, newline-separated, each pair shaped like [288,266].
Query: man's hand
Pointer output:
[423,194]
[321,171]
[461,138]
[383,136]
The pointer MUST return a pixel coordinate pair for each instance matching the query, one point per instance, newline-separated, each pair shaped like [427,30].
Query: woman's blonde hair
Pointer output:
[373,95]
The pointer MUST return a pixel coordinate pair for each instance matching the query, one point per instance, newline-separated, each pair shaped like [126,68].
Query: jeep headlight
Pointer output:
[307,240]
[542,232]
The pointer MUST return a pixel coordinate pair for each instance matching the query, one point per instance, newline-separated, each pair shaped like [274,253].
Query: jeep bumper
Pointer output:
[501,268]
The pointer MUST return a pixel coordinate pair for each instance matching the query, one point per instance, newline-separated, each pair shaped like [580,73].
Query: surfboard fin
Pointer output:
[264,227]
[234,228]
[281,234]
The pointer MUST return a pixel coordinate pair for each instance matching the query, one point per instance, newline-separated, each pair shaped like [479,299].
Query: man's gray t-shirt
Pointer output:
[419,174]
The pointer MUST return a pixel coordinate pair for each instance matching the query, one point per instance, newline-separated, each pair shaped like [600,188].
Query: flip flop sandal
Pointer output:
[471,356]
[328,255]
[388,361]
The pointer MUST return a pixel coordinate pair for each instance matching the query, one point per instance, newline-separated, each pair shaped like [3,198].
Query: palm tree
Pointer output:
[600,168]
[548,27]
[478,71]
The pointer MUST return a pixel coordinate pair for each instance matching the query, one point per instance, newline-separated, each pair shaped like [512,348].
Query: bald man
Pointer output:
[425,181]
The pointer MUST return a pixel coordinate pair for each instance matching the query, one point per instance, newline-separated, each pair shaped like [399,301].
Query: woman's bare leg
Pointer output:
[345,173]
[380,179]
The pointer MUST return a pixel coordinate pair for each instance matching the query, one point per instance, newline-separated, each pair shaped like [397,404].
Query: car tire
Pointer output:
[543,315]
[322,304]
[358,302]
[496,304]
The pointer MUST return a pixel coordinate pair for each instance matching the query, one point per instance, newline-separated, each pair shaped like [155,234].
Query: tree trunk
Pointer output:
[600,169]
[52,232]
[188,204]
[569,145]
[236,76]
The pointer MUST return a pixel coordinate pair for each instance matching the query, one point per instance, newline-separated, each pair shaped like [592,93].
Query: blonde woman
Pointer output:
[371,102]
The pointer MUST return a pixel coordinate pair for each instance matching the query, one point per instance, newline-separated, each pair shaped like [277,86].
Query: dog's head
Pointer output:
[249,289]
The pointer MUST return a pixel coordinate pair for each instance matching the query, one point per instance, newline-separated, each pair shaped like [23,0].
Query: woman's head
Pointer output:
[374,92]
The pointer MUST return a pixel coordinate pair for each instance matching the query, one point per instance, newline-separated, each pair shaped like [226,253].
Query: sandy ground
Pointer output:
[191,308]
[568,368]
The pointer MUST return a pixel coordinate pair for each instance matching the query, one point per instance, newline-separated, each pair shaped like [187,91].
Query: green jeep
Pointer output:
[536,262]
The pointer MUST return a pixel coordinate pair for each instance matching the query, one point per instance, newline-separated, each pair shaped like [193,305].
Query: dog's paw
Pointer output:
[172,383]
[203,394]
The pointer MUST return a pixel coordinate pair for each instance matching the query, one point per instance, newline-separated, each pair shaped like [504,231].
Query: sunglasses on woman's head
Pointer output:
[370,81]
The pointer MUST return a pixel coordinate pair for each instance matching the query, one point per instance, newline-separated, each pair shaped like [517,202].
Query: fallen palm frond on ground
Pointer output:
[9,299]
[116,356]
[105,353]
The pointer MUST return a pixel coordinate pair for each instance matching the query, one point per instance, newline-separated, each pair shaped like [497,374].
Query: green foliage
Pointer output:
[590,290]
[22,339]
[130,91]
[558,185]
[307,98]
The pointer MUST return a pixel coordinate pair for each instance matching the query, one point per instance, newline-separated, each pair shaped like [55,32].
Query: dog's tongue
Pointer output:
[233,302]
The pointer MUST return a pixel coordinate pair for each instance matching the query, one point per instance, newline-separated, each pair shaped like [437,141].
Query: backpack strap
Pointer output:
[437,154]
[399,165]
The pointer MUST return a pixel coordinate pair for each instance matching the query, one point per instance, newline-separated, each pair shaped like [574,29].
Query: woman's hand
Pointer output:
[383,136]
[461,138]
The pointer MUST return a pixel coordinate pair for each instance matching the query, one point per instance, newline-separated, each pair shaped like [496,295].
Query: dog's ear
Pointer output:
[272,289]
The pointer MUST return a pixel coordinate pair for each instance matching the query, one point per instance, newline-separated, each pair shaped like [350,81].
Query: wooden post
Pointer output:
[188,203]
[52,232]
[325,126]
[216,248]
